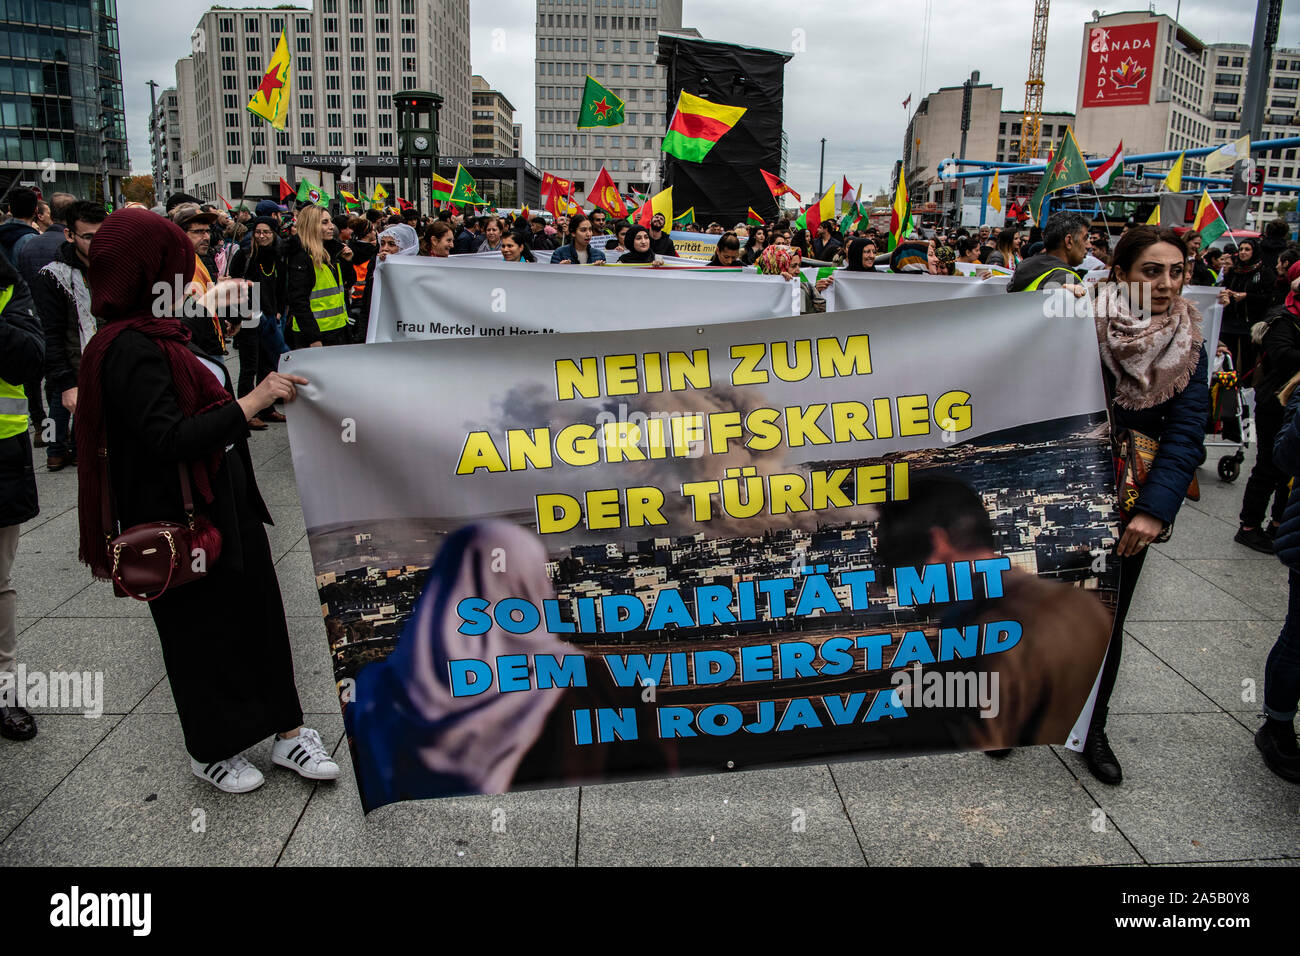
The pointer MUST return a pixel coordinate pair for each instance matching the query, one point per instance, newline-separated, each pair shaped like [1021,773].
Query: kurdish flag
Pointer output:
[660,203]
[307,192]
[1065,168]
[464,191]
[1209,221]
[349,200]
[995,197]
[441,187]
[1174,181]
[697,125]
[823,210]
[604,194]
[900,216]
[848,195]
[777,187]
[686,219]
[600,107]
[853,219]
[271,101]
[752,218]
[1105,175]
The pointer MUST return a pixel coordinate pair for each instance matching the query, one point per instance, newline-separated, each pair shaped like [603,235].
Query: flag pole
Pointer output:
[243,190]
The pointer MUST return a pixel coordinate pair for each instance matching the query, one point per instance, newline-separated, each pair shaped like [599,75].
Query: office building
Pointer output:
[934,134]
[494,120]
[349,57]
[1156,86]
[62,124]
[165,144]
[615,42]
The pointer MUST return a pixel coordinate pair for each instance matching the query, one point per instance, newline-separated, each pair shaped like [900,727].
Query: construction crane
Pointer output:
[1032,126]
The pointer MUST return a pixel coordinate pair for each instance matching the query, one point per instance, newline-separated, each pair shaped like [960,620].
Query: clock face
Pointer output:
[421,142]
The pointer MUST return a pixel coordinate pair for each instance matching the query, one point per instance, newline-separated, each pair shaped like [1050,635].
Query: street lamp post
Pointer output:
[821,169]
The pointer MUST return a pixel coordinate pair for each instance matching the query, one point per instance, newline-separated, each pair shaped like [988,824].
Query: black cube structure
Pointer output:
[728,182]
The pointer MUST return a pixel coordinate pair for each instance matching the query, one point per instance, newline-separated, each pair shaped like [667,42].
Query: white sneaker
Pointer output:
[232,775]
[304,754]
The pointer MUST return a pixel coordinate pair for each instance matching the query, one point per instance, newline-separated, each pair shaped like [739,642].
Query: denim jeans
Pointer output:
[1282,670]
[63,445]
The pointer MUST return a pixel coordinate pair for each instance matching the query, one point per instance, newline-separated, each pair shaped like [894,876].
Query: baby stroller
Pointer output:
[1231,423]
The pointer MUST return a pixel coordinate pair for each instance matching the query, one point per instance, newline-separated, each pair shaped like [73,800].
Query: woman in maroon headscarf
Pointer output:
[149,398]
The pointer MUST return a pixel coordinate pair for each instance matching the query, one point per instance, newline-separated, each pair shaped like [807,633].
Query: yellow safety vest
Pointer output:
[327,305]
[13,400]
[1033,286]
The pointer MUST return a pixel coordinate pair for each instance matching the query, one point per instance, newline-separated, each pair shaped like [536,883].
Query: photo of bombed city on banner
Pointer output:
[648,433]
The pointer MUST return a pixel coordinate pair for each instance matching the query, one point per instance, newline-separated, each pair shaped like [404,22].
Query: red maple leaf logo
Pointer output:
[270,83]
[601,107]
[1128,74]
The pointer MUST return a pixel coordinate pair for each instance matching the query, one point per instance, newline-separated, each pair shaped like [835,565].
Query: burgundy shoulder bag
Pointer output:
[148,559]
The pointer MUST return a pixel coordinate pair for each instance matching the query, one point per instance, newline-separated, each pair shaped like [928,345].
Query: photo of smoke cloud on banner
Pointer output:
[670,488]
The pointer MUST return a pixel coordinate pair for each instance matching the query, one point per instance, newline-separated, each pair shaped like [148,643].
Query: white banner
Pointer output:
[418,298]
[865,290]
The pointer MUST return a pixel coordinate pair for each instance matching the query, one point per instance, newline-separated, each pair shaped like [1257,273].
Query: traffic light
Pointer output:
[1137,172]
[1256,185]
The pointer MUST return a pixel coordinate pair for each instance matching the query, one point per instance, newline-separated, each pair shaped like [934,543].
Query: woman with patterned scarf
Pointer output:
[1156,372]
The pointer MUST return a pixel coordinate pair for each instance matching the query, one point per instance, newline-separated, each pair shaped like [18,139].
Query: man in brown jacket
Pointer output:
[1043,681]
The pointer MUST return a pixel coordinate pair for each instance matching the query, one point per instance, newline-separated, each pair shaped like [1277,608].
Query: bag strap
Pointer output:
[108,501]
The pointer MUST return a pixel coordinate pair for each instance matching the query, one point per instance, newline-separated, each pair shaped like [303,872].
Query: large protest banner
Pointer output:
[657,551]
[460,296]
[865,290]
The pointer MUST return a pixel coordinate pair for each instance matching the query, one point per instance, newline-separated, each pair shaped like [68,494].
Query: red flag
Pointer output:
[286,190]
[604,194]
[403,204]
[778,188]
[229,208]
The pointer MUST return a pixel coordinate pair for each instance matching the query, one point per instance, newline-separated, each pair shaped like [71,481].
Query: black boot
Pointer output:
[1276,741]
[1101,759]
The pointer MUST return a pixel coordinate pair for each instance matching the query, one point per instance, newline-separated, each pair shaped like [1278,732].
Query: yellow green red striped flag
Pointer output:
[697,125]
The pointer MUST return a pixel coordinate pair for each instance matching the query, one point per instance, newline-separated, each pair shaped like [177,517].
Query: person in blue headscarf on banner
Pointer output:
[412,738]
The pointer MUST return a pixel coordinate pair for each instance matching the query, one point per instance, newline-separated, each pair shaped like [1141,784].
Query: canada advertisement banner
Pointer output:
[1119,65]
[565,558]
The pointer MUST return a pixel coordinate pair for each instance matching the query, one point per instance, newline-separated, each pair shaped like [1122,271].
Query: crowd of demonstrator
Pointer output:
[136,383]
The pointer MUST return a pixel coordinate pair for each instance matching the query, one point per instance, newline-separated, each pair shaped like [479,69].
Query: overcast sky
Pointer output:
[859,61]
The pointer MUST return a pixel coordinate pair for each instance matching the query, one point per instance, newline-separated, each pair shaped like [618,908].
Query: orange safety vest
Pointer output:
[359,286]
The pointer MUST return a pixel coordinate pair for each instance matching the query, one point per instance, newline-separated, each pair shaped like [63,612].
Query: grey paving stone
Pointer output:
[97,600]
[56,491]
[312,665]
[44,581]
[302,544]
[536,827]
[788,816]
[1292,861]
[1195,788]
[1147,685]
[23,623]
[286,531]
[134,800]
[1168,591]
[124,651]
[964,809]
[60,536]
[30,769]
[1201,535]
[298,585]
[1261,585]
[1215,656]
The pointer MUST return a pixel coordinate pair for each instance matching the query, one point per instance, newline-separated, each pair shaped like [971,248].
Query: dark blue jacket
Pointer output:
[1179,426]
[566,252]
[1286,457]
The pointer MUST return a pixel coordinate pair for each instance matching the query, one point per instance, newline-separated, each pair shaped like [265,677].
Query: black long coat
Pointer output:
[224,638]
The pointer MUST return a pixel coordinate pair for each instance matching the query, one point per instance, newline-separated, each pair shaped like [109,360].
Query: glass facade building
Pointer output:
[62,119]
